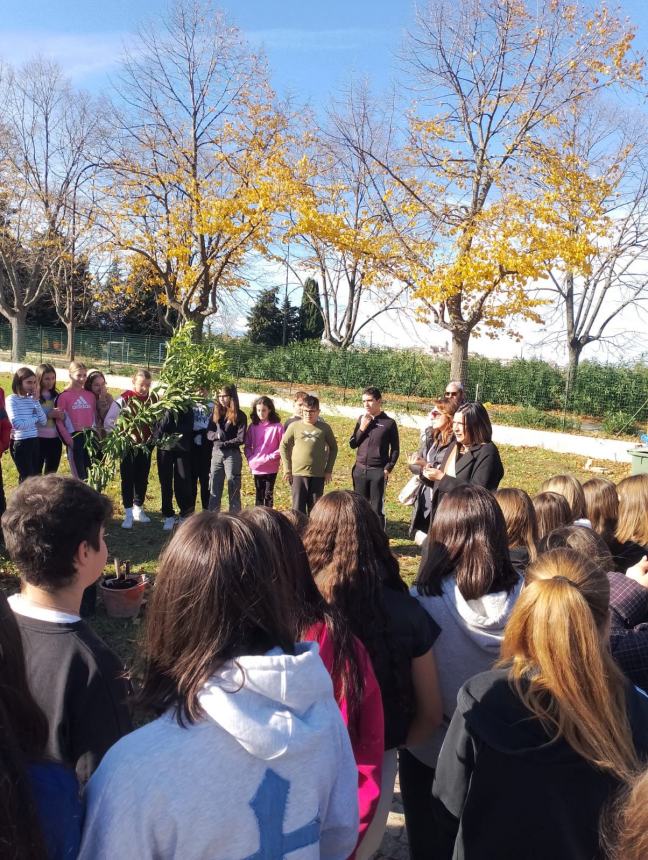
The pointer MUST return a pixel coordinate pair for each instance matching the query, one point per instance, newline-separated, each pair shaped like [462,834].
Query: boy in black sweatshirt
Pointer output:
[54,533]
[376,439]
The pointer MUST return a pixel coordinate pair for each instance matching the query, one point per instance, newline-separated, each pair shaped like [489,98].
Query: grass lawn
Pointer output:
[524,467]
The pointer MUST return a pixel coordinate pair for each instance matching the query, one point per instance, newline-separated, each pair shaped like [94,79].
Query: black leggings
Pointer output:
[49,456]
[24,453]
[264,486]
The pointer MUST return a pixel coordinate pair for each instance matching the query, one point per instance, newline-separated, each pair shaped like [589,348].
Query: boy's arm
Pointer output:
[333,449]
[286,450]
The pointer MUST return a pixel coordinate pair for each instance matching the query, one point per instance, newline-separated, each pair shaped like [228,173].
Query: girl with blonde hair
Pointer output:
[632,525]
[571,488]
[556,727]
[602,508]
[521,526]
[552,512]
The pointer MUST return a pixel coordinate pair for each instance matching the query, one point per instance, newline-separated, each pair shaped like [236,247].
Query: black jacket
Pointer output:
[507,792]
[178,425]
[228,436]
[479,464]
[377,445]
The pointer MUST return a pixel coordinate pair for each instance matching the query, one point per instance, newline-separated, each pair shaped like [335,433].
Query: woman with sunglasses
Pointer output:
[436,443]
[473,460]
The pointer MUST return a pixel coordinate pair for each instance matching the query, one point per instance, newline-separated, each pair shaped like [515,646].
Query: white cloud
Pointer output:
[342,39]
[81,55]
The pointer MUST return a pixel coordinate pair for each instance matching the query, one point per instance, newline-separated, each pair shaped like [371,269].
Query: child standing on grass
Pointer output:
[80,409]
[96,383]
[135,467]
[49,441]
[227,431]
[262,449]
[5,439]
[308,452]
[26,415]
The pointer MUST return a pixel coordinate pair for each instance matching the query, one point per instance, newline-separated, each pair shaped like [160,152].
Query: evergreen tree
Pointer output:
[290,322]
[265,320]
[311,321]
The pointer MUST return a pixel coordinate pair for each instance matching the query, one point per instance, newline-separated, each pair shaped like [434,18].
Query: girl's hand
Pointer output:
[415,460]
[211,435]
[57,414]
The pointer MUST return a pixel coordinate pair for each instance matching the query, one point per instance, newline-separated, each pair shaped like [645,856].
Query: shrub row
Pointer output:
[601,390]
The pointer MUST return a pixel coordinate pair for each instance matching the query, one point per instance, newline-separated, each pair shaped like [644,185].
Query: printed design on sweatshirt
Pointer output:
[309,435]
[269,806]
[80,403]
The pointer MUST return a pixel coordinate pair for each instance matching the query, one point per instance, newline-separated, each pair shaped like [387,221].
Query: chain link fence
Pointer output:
[612,398]
[110,350]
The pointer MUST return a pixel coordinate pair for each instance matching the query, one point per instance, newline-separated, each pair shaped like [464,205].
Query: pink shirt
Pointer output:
[262,442]
[80,408]
[367,732]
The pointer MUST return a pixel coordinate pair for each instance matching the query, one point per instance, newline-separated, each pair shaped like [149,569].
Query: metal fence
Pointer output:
[106,348]
[615,397]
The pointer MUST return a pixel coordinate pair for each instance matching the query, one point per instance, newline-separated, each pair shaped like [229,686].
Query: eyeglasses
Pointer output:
[451,393]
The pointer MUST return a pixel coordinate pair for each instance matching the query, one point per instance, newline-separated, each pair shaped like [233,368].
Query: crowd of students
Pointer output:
[289,671]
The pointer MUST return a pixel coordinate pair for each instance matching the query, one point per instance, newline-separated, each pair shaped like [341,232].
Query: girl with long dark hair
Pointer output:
[50,446]
[262,442]
[354,682]
[249,755]
[226,430]
[358,575]
[468,586]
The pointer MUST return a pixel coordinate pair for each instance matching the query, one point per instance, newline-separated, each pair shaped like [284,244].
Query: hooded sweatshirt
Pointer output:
[267,772]
[469,642]
[509,790]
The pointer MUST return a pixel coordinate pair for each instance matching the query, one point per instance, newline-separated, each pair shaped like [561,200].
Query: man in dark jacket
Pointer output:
[375,438]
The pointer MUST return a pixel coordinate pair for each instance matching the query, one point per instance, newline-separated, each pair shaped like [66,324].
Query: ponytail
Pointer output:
[559,665]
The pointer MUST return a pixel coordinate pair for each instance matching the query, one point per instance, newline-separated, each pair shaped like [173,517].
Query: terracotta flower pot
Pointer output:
[123,597]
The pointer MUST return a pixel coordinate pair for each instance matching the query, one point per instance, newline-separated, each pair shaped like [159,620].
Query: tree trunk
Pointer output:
[459,357]
[18,336]
[574,354]
[197,333]
[70,328]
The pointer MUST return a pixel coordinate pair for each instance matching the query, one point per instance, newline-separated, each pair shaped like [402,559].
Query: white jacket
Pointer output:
[269,772]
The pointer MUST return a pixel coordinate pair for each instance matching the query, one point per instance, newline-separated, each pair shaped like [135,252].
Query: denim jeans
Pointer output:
[225,463]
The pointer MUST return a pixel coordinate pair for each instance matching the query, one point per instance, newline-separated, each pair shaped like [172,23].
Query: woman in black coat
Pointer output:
[474,459]
[436,443]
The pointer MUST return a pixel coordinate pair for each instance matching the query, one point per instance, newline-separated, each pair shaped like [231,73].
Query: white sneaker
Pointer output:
[139,516]
[128,519]
[169,524]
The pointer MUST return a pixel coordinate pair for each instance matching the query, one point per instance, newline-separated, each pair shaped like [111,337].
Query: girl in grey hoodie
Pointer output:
[250,757]
[468,586]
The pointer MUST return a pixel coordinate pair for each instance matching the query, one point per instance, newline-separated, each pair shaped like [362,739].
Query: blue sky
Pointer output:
[313,48]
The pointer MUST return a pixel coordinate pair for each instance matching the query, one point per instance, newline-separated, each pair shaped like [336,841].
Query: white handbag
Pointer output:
[408,494]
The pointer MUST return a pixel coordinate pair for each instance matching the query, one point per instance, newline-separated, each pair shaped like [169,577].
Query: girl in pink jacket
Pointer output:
[262,449]
[80,408]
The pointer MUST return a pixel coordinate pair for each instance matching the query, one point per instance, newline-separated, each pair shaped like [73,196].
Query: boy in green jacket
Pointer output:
[308,452]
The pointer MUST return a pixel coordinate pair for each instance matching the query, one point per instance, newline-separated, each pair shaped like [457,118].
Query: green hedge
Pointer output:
[600,390]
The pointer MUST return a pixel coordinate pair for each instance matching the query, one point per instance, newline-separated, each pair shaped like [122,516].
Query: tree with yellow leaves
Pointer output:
[490,78]
[595,166]
[195,172]
[336,223]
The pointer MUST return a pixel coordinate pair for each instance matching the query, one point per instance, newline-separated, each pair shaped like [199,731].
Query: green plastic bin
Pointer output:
[639,461]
